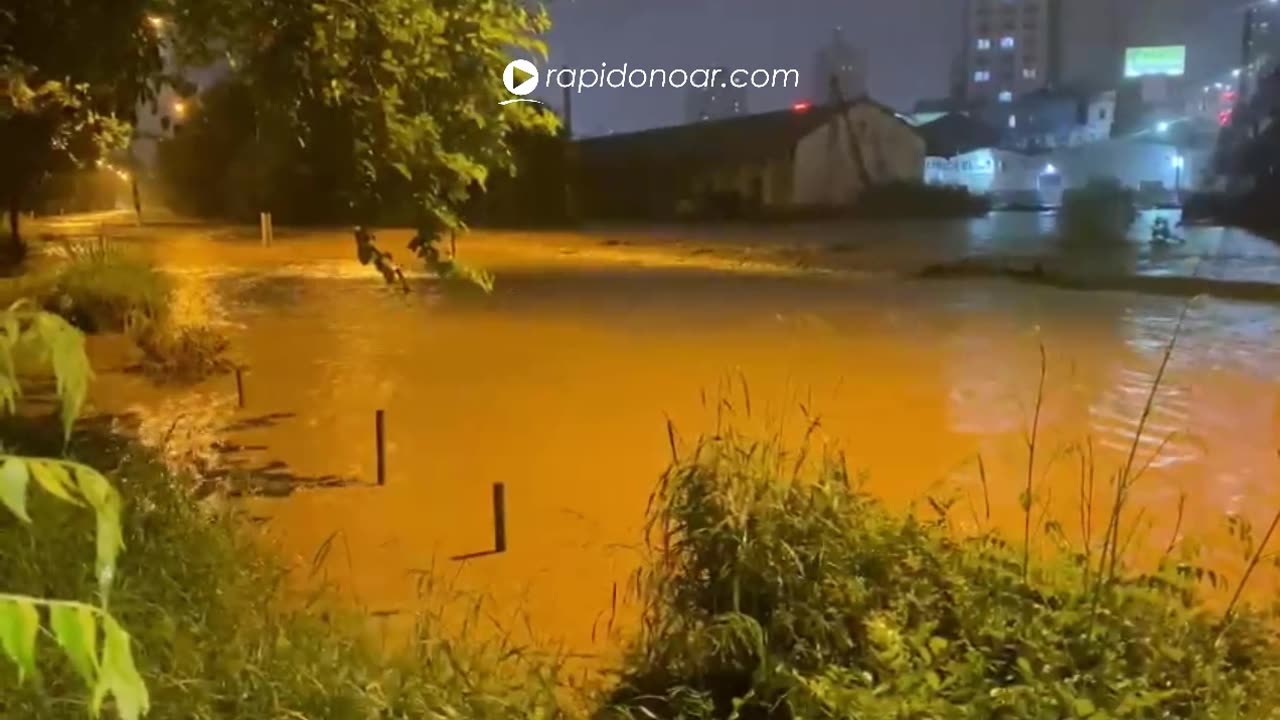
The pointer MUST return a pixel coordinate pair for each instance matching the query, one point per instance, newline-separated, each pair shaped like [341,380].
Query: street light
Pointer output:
[179,109]
[1162,127]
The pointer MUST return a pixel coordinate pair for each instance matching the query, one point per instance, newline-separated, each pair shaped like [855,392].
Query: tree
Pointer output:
[72,73]
[402,96]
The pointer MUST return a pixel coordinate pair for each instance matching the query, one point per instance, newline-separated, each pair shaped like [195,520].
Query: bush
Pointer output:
[916,200]
[96,286]
[1099,213]
[179,353]
[780,590]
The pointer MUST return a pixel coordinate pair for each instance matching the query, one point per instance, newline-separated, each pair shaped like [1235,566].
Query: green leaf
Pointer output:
[76,632]
[119,676]
[1084,707]
[106,503]
[19,623]
[13,486]
[55,480]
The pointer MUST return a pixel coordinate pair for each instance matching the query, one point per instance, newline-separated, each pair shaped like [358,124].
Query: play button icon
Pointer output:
[521,78]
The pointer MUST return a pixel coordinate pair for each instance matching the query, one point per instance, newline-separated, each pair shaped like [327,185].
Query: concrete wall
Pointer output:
[823,170]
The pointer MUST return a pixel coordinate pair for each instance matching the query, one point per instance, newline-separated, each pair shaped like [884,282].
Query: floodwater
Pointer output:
[560,384]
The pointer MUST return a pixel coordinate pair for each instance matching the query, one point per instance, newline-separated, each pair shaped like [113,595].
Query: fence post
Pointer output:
[240,386]
[499,517]
[379,431]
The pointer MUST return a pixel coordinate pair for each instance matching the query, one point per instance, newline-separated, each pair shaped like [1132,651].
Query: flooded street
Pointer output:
[560,385]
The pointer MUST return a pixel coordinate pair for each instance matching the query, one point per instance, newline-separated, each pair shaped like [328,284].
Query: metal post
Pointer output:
[379,437]
[1246,53]
[499,518]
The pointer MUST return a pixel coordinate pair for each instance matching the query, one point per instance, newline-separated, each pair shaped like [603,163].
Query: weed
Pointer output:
[777,588]
[179,353]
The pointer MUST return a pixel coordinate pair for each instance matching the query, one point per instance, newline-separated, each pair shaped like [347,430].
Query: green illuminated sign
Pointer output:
[1164,60]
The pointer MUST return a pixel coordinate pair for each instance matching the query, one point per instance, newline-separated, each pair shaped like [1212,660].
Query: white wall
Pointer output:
[1132,162]
[1011,176]
[824,172]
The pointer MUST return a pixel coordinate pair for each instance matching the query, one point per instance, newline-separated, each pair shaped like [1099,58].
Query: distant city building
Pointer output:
[1262,41]
[1012,48]
[715,103]
[847,64]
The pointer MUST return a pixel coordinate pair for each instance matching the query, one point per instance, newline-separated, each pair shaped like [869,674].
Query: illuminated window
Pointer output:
[1013,122]
[1006,96]
[984,43]
[982,76]
[1029,73]
[1007,42]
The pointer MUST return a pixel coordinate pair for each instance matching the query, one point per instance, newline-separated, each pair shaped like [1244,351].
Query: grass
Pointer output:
[780,590]
[100,287]
[212,635]
[777,588]
[96,285]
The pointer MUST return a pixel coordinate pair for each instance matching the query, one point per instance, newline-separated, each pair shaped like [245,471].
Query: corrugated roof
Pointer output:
[713,142]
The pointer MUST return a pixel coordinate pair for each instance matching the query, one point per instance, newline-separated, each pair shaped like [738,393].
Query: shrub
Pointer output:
[903,199]
[94,285]
[1099,213]
[780,590]
[179,353]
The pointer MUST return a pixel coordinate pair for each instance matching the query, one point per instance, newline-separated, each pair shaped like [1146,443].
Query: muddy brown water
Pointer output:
[560,384]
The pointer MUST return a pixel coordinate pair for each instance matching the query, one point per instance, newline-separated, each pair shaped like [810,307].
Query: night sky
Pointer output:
[910,44]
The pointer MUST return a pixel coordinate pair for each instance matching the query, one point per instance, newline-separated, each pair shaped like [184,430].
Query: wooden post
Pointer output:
[262,227]
[499,518]
[379,426]
[271,230]
[240,386]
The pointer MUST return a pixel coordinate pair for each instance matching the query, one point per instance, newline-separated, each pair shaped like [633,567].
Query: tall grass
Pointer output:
[777,588]
[96,285]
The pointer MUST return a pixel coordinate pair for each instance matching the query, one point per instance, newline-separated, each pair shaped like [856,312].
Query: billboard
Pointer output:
[1168,60]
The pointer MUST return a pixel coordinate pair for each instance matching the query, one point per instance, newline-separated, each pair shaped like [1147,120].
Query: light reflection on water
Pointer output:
[560,383]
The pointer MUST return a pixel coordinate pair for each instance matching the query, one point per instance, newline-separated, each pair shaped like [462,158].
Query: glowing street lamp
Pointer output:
[156,22]
[1050,169]
[1162,127]
[179,109]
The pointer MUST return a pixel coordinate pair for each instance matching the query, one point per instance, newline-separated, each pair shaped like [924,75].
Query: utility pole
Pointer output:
[1246,50]
[570,160]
